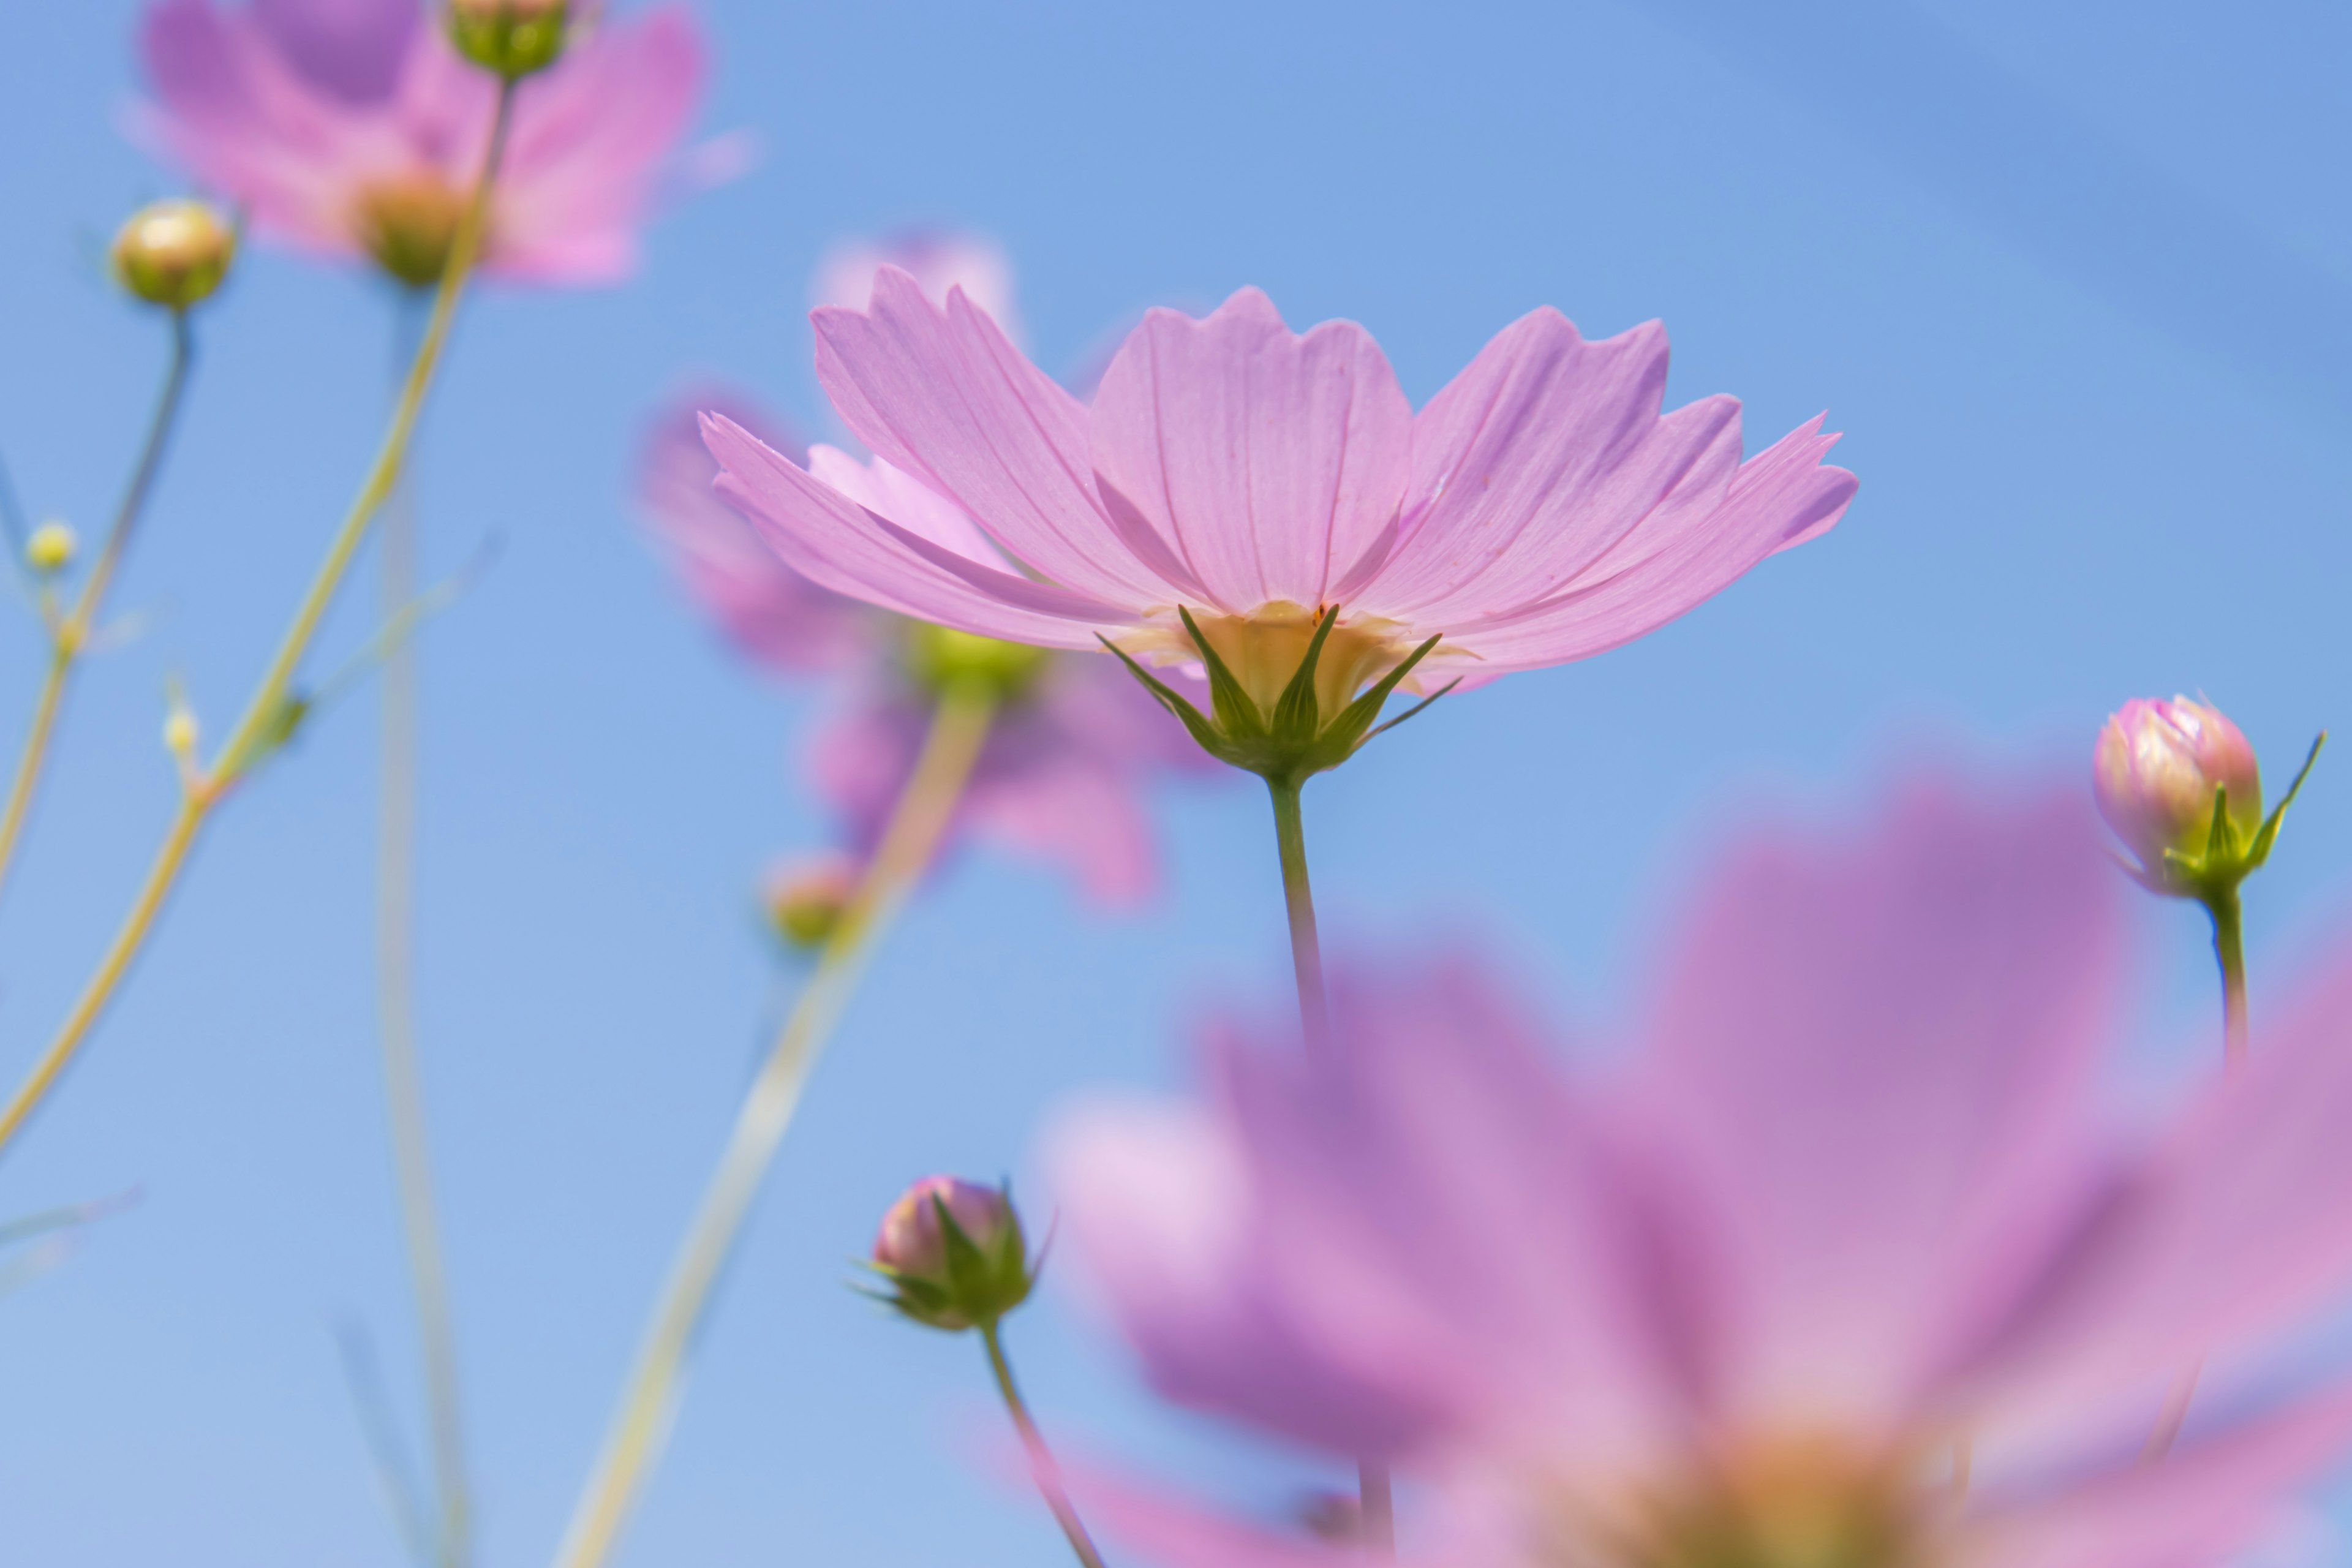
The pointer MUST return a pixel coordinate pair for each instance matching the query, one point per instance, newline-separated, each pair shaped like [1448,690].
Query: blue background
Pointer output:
[2074,279]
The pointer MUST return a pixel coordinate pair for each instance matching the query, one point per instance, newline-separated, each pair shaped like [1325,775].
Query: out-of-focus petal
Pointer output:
[1068,806]
[353,48]
[1268,461]
[829,539]
[938,260]
[1873,1061]
[940,395]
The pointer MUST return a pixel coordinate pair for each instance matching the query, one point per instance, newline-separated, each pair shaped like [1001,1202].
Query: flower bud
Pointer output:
[2155,770]
[51,547]
[180,733]
[174,253]
[512,37]
[805,901]
[940,656]
[953,1254]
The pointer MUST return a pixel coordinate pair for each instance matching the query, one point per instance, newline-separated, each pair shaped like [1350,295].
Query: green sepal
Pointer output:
[1415,708]
[1204,733]
[2269,834]
[1294,715]
[1353,726]
[1237,711]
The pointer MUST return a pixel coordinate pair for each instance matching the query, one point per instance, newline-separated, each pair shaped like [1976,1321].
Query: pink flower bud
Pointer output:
[805,901]
[2154,772]
[970,1266]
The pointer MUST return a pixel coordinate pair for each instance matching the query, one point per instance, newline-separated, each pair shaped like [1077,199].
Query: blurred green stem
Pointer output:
[69,638]
[1042,1467]
[634,1441]
[263,723]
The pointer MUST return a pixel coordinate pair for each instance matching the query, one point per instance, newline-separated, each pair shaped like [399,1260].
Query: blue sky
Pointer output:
[2075,279]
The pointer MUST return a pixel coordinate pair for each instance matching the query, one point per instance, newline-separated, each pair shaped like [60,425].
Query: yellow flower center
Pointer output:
[408,222]
[1789,1502]
[1264,648]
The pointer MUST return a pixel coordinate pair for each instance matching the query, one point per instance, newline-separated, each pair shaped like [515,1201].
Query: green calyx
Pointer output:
[938,658]
[1295,739]
[2211,875]
[977,1282]
[511,38]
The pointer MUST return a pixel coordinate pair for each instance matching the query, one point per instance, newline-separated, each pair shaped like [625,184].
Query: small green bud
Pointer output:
[180,733]
[174,253]
[51,548]
[512,37]
[805,901]
[953,1255]
[940,656]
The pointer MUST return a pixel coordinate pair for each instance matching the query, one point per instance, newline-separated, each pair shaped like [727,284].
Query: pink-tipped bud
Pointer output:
[805,901]
[953,1253]
[2154,773]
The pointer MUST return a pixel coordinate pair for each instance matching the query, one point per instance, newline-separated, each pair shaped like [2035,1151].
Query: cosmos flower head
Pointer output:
[351,129]
[1232,483]
[1848,1263]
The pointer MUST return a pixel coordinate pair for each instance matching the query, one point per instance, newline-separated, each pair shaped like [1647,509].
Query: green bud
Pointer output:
[805,902]
[953,1255]
[940,656]
[174,253]
[51,547]
[511,38]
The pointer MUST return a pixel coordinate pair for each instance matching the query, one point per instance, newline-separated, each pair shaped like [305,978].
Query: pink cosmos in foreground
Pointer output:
[351,128]
[2155,770]
[1848,1265]
[1540,509]
[1064,770]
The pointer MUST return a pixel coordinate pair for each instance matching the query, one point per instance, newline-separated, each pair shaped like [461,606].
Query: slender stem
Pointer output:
[403,1083]
[265,711]
[1375,1496]
[2174,1413]
[69,638]
[1042,1468]
[1298,901]
[2229,947]
[634,1441]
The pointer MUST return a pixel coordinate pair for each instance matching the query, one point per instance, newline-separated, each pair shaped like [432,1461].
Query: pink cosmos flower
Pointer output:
[1064,767]
[1847,1266]
[351,129]
[1540,509]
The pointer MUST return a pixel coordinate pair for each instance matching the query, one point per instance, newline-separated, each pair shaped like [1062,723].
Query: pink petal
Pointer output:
[1873,1063]
[942,395]
[2201,1504]
[1697,542]
[1267,461]
[1166,1529]
[1073,809]
[886,492]
[1534,461]
[831,541]
[352,49]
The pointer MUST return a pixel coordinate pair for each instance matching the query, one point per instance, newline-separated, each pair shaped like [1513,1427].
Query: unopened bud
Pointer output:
[940,656]
[805,901]
[2157,769]
[409,222]
[180,734]
[174,253]
[51,547]
[512,37]
[953,1254]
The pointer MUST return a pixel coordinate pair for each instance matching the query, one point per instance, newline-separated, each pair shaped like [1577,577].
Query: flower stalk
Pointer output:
[1042,1465]
[273,710]
[69,637]
[633,1444]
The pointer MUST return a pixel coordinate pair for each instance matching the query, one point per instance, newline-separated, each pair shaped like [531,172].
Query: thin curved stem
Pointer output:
[2229,951]
[1042,1467]
[1375,1495]
[634,1441]
[263,720]
[404,1081]
[70,636]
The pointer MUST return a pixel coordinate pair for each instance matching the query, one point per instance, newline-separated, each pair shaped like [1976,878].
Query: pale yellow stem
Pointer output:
[69,638]
[264,716]
[634,1441]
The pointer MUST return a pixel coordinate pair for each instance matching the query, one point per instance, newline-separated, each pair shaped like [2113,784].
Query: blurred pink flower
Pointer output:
[937,259]
[1064,767]
[1847,1266]
[1539,510]
[351,128]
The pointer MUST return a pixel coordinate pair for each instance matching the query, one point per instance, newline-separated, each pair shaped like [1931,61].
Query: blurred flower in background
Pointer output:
[351,128]
[1065,766]
[937,259]
[1847,1267]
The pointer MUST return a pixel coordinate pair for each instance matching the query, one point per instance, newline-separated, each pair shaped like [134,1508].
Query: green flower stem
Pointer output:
[69,638]
[403,1083]
[1376,1504]
[632,1443]
[202,789]
[1048,1474]
[2228,948]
